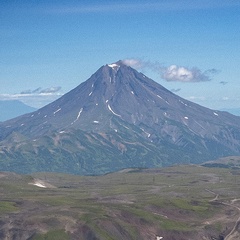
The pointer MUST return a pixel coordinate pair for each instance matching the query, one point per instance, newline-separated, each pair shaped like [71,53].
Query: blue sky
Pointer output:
[190,47]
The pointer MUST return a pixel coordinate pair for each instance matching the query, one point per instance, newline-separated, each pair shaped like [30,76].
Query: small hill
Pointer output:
[226,162]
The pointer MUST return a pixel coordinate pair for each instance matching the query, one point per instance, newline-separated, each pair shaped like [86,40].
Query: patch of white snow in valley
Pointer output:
[57,111]
[215,114]
[38,184]
[78,116]
[41,184]
[90,94]
[62,132]
[92,85]
[159,96]
[132,92]
[183,103]
[96,121]
[110,109]
[186,117]
[96,104]
[106,101]
[148,134]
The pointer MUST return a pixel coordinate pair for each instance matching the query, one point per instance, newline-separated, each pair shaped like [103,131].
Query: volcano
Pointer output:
[118,118]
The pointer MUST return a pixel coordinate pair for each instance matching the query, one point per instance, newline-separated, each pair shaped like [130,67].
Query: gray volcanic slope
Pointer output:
[118,118]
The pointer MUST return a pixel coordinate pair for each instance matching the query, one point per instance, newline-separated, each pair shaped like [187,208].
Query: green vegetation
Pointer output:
[53,235]
[6,207]
[134,203]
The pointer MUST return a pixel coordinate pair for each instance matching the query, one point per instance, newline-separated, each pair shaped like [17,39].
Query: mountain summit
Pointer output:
[118,118]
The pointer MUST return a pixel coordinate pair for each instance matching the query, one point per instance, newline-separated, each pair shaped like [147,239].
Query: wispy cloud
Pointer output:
[173,72]
[35,98]
[40,90]
[223,82]
[176,90]
[170,5]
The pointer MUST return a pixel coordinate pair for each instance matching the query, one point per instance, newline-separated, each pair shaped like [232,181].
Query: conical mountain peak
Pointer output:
[117,64]
[125,113]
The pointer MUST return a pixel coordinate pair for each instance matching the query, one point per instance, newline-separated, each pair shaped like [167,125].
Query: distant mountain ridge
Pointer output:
[118,118]
[13,108]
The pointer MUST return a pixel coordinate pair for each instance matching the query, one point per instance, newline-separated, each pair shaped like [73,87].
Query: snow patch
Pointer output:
[132,92]
[90,94]
[183,103]
[96,104]
[45,116]
[110,109]
[57,111]
[148,134]
[78,116]
[113,65]
[215,114]
[186,117]
[96,121]
[62,132]
[159,96]
[106,101]
[38,184]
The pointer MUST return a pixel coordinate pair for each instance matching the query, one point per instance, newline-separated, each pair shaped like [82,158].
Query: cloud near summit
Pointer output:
[173,72]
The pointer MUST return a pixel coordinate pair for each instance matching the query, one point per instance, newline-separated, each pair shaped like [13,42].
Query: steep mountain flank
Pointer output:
[118,118]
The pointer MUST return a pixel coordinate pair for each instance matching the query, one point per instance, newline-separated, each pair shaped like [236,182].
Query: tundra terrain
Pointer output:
[180,202]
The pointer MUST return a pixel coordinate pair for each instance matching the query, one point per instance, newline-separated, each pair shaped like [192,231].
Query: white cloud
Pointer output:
[174,5]
[184,74]
[173,72]
[134,63]
[225,98]
[40,90]
[36,98]
[175,90]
